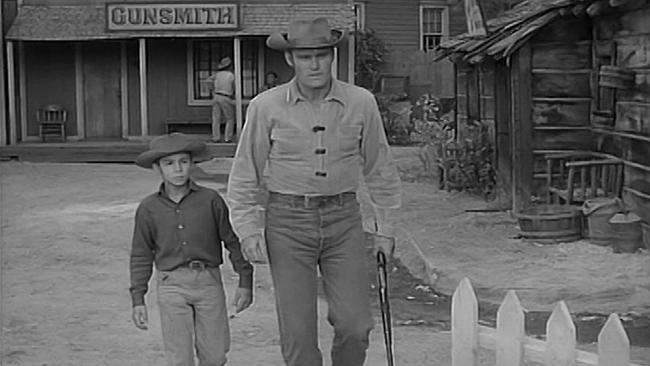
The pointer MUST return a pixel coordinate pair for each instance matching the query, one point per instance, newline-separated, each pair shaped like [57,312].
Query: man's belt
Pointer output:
[312,201]
[223,94]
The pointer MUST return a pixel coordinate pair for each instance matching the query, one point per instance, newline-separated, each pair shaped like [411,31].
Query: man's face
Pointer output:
[270,79]
[174,169]
[313,68]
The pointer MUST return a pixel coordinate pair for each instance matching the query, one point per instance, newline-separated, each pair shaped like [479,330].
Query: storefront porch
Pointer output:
[113,151]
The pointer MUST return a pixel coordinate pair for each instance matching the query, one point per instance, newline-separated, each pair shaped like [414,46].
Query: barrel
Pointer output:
[627,230]
[598,212]
[551,224]
[616,77]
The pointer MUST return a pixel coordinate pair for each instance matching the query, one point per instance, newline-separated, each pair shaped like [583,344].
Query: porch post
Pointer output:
[351,58]
[3,108]
[79,92]
[22,91]
[124,90]
[11,81]
[238,86]
[144,123]
[335,63]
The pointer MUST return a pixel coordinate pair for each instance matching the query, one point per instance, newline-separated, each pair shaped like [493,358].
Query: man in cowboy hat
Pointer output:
[222,85]
[300,157]
[180,228]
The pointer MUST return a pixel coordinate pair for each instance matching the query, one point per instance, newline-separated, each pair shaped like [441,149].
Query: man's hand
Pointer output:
[243,299]
[140,318]
[254,249]
[384,244]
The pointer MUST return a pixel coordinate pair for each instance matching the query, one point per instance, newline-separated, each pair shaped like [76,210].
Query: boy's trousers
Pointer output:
[192,306]
[301,237]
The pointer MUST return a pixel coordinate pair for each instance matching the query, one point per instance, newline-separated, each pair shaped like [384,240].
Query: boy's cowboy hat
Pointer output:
[225,62]
[306,34]
[167,145]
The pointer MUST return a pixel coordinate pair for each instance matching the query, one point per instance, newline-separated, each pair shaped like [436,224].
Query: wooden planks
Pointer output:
[561,113]
[564,139]
[633,117]
[101,71]
[561,85]
[554,56]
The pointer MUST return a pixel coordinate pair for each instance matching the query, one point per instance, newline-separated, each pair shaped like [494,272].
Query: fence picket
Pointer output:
[510,332]
[560,337]
[613,343]
[464,320]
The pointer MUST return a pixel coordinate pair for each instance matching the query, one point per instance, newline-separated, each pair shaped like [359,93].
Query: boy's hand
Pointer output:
[254,249]
[140,318]
[243,299]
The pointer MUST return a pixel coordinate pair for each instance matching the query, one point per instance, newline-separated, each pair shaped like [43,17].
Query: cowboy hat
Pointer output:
[225,62]
[168,145]
[306,34]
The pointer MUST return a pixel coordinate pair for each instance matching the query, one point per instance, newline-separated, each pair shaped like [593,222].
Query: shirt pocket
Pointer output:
[350,139]
[287,142]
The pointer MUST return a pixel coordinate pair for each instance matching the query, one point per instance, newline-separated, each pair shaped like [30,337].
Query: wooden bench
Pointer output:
[175,125]
[582,176]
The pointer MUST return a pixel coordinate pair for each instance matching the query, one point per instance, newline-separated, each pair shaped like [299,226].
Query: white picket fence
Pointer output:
[514,348]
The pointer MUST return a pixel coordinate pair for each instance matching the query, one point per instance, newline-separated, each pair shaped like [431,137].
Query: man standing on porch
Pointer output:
[223,89]
[300,156]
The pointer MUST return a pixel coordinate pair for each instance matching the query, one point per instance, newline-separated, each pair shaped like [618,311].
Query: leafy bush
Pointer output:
[465,162]
[369,56]
[395,113]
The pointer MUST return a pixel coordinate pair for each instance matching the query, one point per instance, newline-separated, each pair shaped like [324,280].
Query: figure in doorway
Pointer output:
[222,85]
[272,80]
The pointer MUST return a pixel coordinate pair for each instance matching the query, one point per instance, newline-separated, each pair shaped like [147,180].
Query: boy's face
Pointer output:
[174,169]
[313,67]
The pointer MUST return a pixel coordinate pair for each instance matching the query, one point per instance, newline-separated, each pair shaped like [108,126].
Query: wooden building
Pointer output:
[123,70]
[538,79]
[411,29]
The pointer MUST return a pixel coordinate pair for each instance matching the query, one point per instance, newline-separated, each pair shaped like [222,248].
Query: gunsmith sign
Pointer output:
[129,17]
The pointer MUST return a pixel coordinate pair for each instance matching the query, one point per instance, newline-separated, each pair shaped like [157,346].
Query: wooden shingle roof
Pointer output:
[508,32]
[55,23]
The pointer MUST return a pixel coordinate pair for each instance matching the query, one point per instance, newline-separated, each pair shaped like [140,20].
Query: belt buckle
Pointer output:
[197,265]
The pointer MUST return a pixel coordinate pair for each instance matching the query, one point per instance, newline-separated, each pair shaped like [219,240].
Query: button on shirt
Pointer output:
[173,234]
[293,147]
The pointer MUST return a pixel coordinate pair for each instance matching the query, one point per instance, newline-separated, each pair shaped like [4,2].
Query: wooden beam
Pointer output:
[11,91]
[623,134]
[239,113]
[80,103]
[522,128]
[335,64]
[3,107]
[124,89]
[22,91]
[261,68]
[142,68]
[502,143]
[351,58]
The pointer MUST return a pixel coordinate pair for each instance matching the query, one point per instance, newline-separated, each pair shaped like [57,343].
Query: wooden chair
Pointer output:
[51,122]
[580,176]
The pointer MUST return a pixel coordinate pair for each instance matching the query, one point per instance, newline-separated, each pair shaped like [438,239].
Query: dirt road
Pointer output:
[64,288]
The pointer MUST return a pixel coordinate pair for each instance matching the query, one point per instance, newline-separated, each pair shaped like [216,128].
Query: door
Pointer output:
[102,99]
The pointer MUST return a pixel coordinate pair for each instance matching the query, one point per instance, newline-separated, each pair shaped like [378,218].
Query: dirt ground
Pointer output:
[64,282]
[64,287]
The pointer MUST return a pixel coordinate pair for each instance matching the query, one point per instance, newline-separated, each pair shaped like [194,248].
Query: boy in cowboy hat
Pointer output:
[223,89]
[306,143]
[180,228]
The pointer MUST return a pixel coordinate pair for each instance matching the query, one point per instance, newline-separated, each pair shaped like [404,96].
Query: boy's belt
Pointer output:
[312,201]
[197,265]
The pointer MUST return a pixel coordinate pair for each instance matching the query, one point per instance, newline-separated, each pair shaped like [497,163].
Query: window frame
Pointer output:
[444,20]
[361,13]
[191,101]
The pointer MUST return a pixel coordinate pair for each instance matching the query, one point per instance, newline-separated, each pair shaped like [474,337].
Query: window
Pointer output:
[433,26]
[250,67]
[206,55]
[203,56]
[360,14]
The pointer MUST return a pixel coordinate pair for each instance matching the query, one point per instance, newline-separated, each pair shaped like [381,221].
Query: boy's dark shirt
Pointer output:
[173,234]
